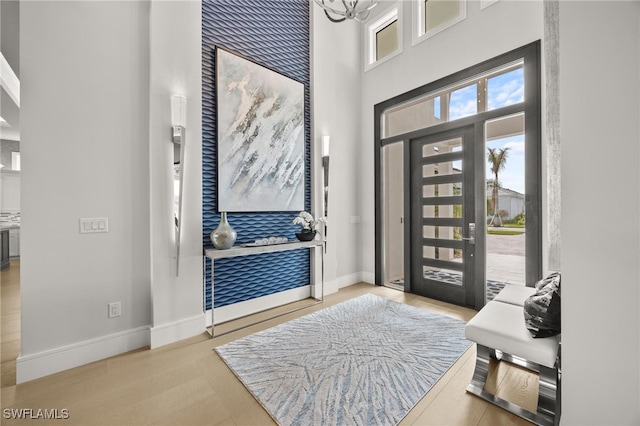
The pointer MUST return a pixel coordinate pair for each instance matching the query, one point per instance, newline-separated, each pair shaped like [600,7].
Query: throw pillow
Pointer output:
[542,309]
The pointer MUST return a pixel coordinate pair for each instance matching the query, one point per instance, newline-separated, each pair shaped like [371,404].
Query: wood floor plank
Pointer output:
[519,386]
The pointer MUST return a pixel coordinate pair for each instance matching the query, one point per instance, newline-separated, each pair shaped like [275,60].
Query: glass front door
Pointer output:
[443,237]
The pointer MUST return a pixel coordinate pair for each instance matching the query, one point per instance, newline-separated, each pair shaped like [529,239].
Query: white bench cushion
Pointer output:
[514,294]
[501,326]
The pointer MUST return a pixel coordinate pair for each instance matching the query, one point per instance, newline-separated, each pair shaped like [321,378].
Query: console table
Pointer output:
[248,250]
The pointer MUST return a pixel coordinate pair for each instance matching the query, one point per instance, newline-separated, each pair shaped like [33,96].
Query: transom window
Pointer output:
[434,16]
[383,37]
[387,40]
[492,90]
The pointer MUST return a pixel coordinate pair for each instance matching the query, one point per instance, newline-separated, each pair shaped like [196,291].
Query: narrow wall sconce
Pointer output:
[326,139]
[178,117]
[325,166]
[178,133]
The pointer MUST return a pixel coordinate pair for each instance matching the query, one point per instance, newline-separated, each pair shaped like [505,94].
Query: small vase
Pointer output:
[306,236]
[224,236]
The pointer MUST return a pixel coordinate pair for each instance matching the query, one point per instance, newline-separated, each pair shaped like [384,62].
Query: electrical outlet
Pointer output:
[115,309]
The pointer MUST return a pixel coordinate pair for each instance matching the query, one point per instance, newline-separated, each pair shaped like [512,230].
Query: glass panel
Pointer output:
[506,157]
[393,220]
[442,232]
[504,86]
[442,253]
[505,89]
[387,40]
[463,102]
[443,275]
[506,239]
[446,167]
[442,189]
[442,212]
[439,12]
[412,116]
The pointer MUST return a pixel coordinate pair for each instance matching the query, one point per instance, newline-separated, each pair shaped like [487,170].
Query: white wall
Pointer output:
[499,28]
[336,102]
[176,67]
[600,137]
[85,153]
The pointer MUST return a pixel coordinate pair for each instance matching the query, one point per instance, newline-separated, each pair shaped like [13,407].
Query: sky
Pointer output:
[502,90]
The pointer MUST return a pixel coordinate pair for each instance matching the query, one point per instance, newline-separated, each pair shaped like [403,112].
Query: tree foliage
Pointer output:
[497,159]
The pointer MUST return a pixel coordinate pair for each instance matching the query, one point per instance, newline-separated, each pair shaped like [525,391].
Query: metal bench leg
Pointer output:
[549,393]
[483,357]
[548,396]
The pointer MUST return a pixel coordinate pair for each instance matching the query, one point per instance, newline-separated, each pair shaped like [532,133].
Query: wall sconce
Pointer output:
[178,121]
[325,167]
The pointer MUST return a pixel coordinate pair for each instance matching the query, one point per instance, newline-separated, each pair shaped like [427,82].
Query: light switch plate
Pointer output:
[92,225]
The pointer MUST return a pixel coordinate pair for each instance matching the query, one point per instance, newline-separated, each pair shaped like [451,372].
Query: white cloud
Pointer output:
[515,147]
[462,109]
[505,93]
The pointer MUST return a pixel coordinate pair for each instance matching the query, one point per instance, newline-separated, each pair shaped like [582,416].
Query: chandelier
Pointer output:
[350,9]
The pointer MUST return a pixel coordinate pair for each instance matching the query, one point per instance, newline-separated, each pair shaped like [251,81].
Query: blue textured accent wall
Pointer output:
[275,34]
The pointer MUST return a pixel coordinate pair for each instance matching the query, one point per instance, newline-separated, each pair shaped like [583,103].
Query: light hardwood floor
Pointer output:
[186,383]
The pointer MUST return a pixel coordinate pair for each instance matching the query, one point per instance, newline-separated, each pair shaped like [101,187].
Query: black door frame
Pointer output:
[530,54]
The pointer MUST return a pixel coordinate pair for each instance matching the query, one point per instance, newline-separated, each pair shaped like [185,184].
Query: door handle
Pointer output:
[472,234]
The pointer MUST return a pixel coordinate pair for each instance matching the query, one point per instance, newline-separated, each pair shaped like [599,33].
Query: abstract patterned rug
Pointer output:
[365,361]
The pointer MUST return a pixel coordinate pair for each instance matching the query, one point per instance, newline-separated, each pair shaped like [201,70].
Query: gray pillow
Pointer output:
[542,309]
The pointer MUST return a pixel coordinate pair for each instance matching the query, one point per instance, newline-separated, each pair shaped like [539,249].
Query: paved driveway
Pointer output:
[506,244]
[505,258]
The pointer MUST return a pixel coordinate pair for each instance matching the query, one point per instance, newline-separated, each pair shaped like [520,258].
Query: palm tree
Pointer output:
[498,160]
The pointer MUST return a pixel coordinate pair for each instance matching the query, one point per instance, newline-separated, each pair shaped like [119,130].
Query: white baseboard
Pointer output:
[30,367]
[368,277]
[248,307]
[178,330]
[347,280]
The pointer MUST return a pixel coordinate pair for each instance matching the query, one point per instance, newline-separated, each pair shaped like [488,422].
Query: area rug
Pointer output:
[365,361]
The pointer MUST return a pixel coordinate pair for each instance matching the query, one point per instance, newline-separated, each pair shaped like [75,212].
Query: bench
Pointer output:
[500,333]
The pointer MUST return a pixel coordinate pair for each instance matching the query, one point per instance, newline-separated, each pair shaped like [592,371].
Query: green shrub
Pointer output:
[519,219]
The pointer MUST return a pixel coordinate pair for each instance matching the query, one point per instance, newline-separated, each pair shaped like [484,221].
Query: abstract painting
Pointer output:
[260,137]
